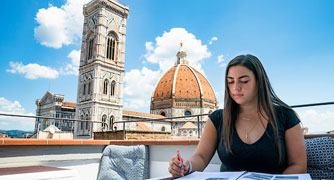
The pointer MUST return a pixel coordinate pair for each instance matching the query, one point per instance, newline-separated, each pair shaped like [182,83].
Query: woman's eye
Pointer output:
[244,82]
[231,82]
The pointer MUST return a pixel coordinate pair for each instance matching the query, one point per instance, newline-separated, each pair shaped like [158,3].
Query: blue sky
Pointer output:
[41,40]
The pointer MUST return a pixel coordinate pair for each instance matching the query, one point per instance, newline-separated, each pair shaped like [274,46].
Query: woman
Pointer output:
[255,132]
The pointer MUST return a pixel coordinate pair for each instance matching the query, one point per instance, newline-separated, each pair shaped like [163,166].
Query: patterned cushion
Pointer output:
[320,157]
[124,162]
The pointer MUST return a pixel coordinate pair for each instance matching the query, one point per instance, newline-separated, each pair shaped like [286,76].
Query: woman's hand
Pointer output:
[175,167]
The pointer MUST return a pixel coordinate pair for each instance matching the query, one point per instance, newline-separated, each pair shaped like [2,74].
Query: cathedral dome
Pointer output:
[183,82]
[182,90]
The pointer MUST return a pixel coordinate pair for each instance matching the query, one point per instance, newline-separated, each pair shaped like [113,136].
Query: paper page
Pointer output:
[262,176]
[213,175]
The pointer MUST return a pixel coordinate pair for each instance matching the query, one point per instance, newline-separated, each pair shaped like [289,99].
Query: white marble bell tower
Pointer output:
[100,82]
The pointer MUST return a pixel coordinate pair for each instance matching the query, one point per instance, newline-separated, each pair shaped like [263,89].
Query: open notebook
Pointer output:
[243,175]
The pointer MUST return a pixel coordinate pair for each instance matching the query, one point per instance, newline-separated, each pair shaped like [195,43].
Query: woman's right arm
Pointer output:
[203,154]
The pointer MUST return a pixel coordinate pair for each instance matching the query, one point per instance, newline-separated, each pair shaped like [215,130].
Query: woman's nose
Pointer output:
[236,86]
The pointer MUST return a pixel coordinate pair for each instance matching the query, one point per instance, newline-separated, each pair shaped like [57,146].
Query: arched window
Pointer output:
[163,113]
[105,86]
[104,119]
[89,86]
[163,128]
[84,89]
[187,113]
[87,123]
[112,45]
[90,48]
[81,123]
[111,121]
[112,89]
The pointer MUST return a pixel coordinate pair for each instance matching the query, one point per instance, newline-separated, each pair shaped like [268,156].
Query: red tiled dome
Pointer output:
[184,82]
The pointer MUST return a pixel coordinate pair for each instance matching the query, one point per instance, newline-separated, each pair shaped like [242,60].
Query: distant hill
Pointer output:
[15,133]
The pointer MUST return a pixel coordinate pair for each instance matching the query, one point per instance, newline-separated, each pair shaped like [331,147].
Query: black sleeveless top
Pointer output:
[261,156]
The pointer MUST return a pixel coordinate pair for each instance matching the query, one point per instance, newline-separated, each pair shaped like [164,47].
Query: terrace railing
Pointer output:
[167,119]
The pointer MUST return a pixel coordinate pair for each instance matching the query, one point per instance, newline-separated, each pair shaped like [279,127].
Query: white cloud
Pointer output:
[9,123]
[213,39]
[221,61]
[165,48]
[36,71]
[10,107]
[317,121]
[220,58]
[149,47]
[73,67]
[33,71]
[60,26]
[145,79]
[75,57]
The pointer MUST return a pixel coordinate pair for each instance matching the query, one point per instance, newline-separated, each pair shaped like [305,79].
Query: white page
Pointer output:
[213,175]
[263,176]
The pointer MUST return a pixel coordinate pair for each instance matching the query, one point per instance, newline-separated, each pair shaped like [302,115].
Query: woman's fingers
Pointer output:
[175,167]
[186,165]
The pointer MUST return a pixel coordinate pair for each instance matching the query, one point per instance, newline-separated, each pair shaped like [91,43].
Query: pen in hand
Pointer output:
[182,167]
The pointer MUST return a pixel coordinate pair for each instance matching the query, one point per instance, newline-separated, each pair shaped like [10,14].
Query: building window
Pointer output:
[84,89]
[87,123]
[90,48]
[163,113]
[89,86]
[81,123]
[111,121]
[104,119]
[105,87]
[163,128]
[112,89]
[187,113]
[112,46]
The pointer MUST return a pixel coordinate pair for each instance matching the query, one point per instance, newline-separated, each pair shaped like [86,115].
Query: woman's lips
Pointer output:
[237,95]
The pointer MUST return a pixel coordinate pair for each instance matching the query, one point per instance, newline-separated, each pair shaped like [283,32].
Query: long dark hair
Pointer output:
[266,99]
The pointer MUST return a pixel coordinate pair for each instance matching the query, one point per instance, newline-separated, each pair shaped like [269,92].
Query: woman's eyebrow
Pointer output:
[244,76]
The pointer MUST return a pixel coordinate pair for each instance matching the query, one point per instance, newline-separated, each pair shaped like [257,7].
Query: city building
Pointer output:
[183,91]
[100,81]
[52,132]
[52,105]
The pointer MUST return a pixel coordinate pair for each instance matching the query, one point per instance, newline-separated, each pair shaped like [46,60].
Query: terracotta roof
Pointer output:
[70,104]
[142,126]
[189,83]
[208,92]
[164,87]
[147,115]
[189,125]
[186,85]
